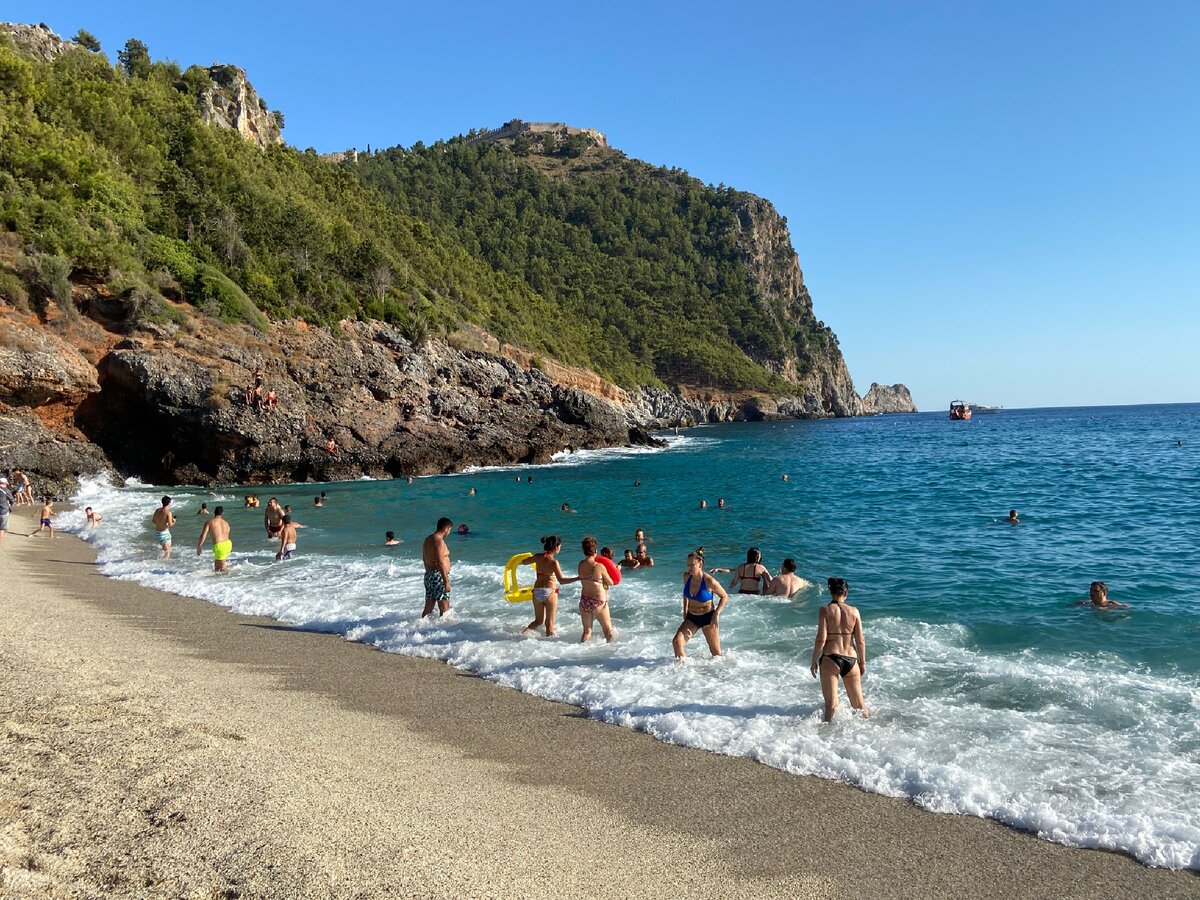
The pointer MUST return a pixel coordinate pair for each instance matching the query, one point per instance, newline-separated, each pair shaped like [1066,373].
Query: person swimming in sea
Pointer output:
[464,528]
[703,602]
[704,504]
[390,539]
[629,562]
[787,583]
[840,650]
[1012,518]
[550,578]
[752,576]
[594,582]
[1098,598]
[644,559]
[566,507]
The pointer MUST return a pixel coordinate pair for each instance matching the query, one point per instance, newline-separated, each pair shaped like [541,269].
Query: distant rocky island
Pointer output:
[882,398]
[179,262]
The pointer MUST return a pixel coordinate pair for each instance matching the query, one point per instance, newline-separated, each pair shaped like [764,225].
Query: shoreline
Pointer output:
[429,777]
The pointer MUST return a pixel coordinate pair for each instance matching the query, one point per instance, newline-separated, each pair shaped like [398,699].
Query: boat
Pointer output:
[960,412]
[980,409]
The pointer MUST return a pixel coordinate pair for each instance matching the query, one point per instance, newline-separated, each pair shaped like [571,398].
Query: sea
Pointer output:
[991,691]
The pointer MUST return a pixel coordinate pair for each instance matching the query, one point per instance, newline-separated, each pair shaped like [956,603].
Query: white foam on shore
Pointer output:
[1085,750]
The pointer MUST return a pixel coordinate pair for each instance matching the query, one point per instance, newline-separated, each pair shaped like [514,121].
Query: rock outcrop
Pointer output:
[232,102]
[54,458]
[37,41]
[38,367]
[884,399]
[560,130]
[390,408]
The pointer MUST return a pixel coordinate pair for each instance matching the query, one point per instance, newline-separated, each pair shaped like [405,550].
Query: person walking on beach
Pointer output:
[703,602]
[163,519]
[545,589]
[222,545]
[273,518]
[436,556]
[594,582]
[6,504]
[840,650]
[45,515]
[787,583]
[752,576]
[287,539]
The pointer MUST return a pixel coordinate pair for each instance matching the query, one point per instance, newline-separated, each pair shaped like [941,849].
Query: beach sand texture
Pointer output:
[157,746]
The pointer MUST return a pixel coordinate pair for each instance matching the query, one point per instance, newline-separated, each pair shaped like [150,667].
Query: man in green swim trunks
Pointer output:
[222,545]
[436,556]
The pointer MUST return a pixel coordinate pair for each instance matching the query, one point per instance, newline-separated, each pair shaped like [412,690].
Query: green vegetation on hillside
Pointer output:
[651,256]
[109,173]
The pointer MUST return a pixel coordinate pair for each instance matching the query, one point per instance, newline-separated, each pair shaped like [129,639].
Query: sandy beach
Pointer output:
[158,746]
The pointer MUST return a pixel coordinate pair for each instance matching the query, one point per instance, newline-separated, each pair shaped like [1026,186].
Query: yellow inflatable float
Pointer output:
[513,592]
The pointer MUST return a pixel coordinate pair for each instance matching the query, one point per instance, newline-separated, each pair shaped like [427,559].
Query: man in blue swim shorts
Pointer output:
[436,556]
[163,519]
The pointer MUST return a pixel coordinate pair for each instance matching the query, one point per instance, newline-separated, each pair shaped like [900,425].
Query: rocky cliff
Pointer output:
[37,41]
[814,362]
[232,102]
[884,399]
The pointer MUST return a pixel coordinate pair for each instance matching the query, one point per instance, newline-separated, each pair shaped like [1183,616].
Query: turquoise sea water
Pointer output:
[991,693]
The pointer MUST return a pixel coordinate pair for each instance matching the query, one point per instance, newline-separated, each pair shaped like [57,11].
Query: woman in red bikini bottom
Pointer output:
[840,650]
[545,589]
[593,597]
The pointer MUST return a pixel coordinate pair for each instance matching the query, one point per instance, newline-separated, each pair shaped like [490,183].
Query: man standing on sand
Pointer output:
[787,583]
[222,545]
[273,518]
[436,556]
[163,519]
[287,539]
[6,505]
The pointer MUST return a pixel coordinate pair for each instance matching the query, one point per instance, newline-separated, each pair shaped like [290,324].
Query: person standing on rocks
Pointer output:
[163,519]
[436,556]
[222,545]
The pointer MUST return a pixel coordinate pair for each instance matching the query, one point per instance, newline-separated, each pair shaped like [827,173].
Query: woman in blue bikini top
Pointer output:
[703,601]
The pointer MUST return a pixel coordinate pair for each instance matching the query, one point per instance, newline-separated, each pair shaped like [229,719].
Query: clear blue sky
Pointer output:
[995,201]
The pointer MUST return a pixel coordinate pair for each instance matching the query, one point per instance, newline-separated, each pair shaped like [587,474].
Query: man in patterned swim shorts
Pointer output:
[436,556]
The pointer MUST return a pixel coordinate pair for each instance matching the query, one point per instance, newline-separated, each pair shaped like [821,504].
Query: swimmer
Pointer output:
[464,528]
[273,518]
[471,493]
[784,478]
[720,503]
[787,583]
[1012,518]
[287,511]
[222,545]
[593,596]
[390,539]
[566,507]
[203,510]
[637,484]
[44,517]
[318,502]
[629,562]
[287,539]
[163,519]
[1098,598]
[93,518]
[639,537]
[644,559]
[839,635]
[410,479]
[704,504]
[703,602]
[545,589]
[752,576]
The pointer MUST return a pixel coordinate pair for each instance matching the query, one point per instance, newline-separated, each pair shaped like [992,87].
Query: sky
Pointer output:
[998,202]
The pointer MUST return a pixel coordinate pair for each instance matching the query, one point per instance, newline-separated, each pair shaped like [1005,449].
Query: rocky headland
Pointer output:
[882,398]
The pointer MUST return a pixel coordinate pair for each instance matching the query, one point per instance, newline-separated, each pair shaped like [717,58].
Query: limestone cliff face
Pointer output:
[232,102]
[37,41]
[814,363]
[882,398]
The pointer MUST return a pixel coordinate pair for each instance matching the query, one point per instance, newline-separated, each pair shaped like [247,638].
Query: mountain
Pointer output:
[161,242]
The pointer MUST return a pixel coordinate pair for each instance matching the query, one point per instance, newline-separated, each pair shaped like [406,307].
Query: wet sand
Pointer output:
[159,746]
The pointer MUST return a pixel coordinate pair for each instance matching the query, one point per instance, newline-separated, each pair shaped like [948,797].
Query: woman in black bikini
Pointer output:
[701,607]
[752,576]
[840,649]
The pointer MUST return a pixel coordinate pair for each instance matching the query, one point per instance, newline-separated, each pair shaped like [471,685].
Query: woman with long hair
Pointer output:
[840,649]
[752,576]
[545,588]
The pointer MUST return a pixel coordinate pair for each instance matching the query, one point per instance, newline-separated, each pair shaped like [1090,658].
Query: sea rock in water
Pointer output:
[882,398]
